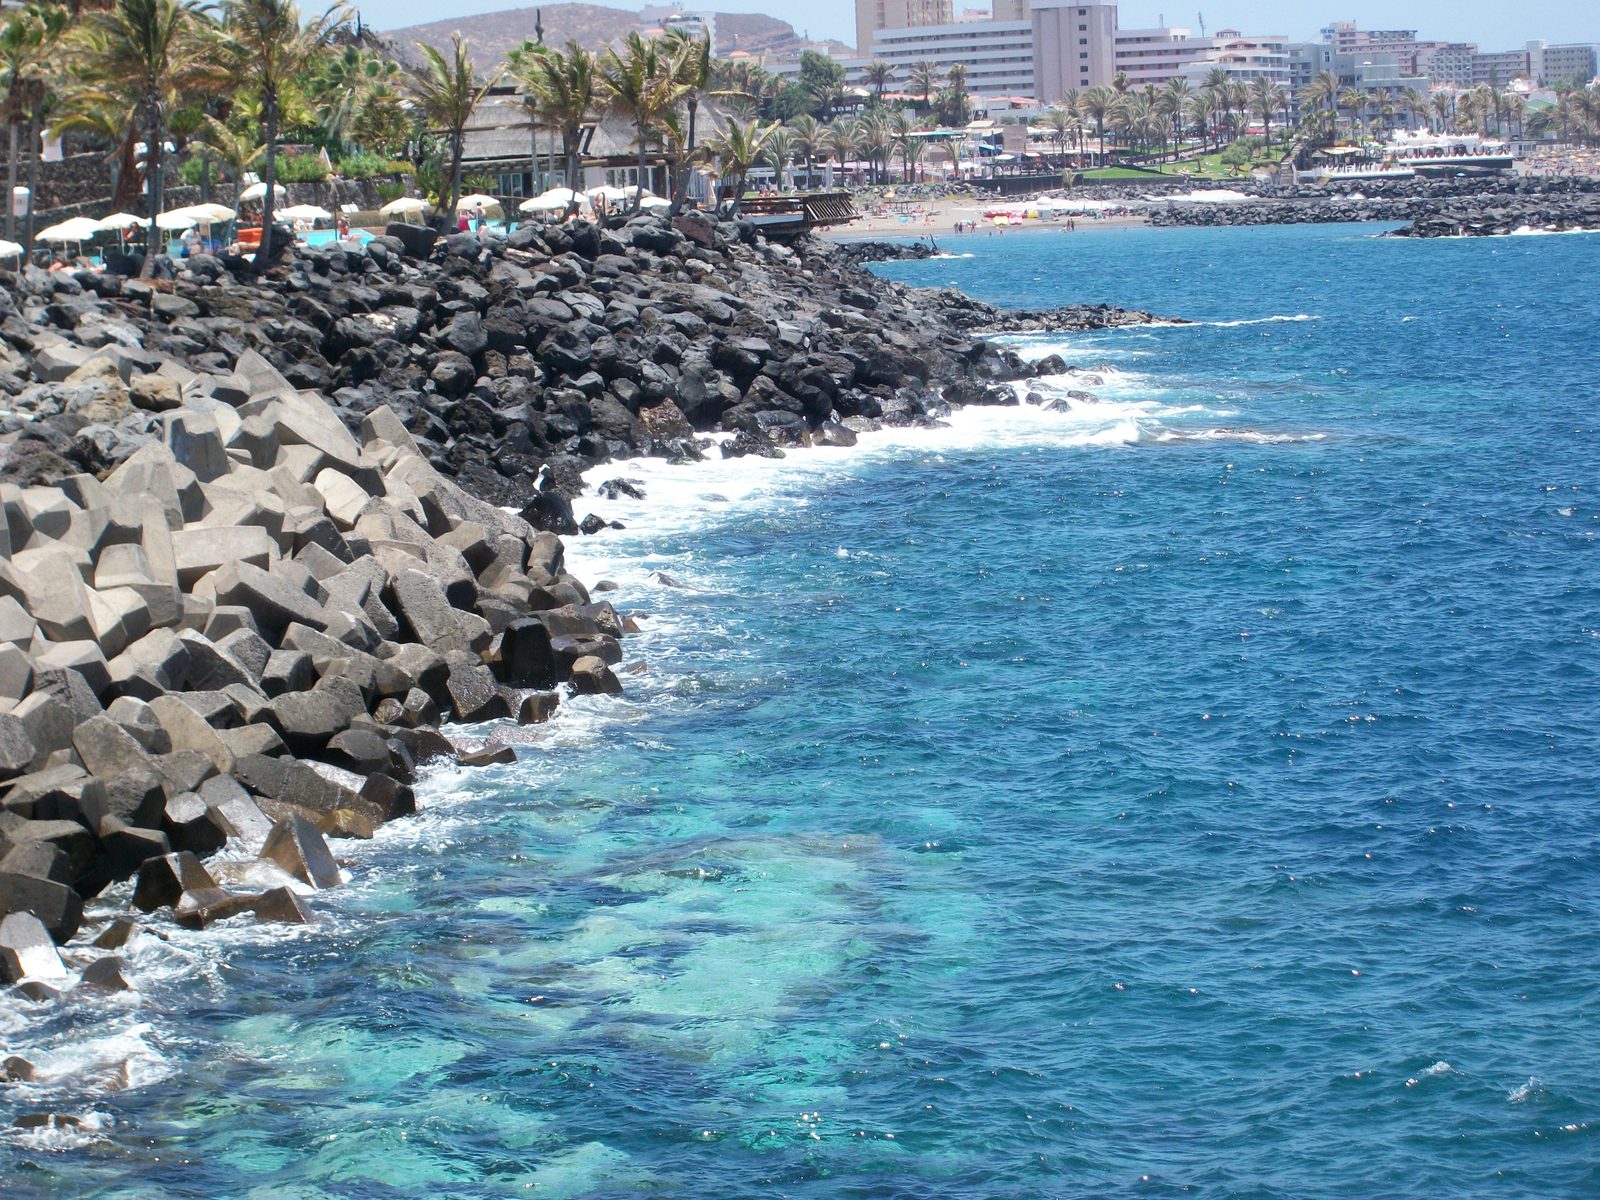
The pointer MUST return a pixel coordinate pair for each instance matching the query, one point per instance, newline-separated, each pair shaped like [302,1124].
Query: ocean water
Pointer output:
[1192,793]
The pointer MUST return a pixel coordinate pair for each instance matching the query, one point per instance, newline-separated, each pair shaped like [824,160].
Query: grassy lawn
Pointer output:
[1112,174]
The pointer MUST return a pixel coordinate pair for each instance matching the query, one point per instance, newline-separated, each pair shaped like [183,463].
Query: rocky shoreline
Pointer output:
[265,534]
[1435,208]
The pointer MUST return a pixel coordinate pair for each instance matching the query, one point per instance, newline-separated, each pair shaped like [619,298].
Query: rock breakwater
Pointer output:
[261,534]
[1436,207]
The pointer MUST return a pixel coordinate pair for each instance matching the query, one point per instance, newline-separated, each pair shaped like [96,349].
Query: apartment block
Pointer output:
[873,15]
[1074,47]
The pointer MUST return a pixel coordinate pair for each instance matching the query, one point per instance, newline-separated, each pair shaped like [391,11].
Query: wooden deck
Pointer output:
[786,216]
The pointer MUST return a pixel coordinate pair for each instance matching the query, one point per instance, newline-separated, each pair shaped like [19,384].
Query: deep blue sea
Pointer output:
[1191,794]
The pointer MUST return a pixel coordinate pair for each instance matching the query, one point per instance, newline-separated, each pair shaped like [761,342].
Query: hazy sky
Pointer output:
[1495,26]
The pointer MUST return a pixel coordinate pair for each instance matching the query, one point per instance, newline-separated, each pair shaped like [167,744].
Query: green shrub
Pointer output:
[301,168]
[193,170]
[390,189]
[365,165]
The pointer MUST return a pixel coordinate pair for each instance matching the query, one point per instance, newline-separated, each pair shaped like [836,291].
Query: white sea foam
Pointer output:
[1525,1091]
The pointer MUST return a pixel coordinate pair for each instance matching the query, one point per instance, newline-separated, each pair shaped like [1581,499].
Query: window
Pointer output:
[1083,54]
[510,185]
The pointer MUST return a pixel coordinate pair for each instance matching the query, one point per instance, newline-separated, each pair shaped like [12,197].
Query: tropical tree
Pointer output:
[738,148]
[1201,109]
[343,85]
[808,136]
[1176,104]
[638,83]
[237,153]
[689,63]
[1266,98]
[839,140]
[446,91]
[261,49]
[923,80]
[879,74]
[1443,105]
[956,76]
[1415,105]
[28,42]
[1063,124]
[143,54]
[780,152]
[1352,101]
[903,135]
[1097,103]
[567,85]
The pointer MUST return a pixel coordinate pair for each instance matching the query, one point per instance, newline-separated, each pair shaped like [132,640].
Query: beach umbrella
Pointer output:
[555,198]
[10,249]
[176,219]
[208,214]
[655,202]
[475,199]
[258,191]
[78,229]
[123,220]
[304,212]
[405,205]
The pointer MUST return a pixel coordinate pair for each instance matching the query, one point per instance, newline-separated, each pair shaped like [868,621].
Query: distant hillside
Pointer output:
[494,34]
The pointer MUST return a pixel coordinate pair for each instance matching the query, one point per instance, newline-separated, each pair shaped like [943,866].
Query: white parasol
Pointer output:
[78,229]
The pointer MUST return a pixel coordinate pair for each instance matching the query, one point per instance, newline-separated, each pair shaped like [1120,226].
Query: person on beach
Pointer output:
[463,222]
[482,217]
[342,226]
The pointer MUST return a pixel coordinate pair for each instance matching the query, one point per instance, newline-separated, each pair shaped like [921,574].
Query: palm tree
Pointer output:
[262,48]
[689,64]
[903,131]
[1062,123]
[923,80]
[1177,95]
[877,143]
[957,77]
[1097,102]
[28,43]
[1202,109]
[446,91]
[343,84]
[738,148]
[235,151]
[780,153]
[1266,98]
[639,85]
[146,52]
[878,73]
[1353,101]
[808,135]
[567,86]
[1443,105]
[839,140]
[1415,106]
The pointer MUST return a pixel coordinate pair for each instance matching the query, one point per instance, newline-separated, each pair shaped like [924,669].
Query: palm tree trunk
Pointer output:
[638,194]
[152,160]
[35,133]
[455,170]
[11,184]
[264,249]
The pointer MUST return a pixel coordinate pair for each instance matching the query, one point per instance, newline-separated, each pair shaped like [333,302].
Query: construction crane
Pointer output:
[1202,18]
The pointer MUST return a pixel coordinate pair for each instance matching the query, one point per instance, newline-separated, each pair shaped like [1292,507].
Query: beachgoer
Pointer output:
[463,222]
[482,216]
[342,225]
[191,242]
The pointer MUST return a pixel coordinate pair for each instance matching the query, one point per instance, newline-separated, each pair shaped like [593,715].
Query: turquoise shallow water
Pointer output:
[1189,794]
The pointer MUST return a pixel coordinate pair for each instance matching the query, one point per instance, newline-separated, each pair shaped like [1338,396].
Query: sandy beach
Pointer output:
[939,218]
